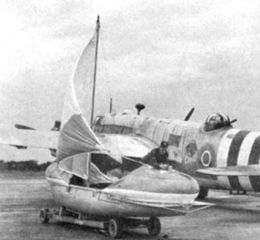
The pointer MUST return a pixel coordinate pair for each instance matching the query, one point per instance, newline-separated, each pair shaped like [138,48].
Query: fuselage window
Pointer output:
[174,140]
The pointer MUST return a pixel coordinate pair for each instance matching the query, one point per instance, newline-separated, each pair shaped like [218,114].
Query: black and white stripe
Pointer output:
[238,147]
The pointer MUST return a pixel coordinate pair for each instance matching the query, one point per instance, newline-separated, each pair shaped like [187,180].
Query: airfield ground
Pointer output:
[23,195]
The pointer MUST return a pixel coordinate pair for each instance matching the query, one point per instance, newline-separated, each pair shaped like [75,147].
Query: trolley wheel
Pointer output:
[154,226]
[114,227]
[44,215]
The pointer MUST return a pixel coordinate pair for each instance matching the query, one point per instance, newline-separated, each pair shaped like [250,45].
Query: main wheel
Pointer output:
[114,228]
[154,226]
[44,216]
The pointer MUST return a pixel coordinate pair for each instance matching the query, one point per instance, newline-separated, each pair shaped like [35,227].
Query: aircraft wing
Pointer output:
[28,138]
[126,145]
[249,170]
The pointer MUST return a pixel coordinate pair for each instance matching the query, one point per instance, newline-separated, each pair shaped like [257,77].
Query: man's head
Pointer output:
[163,147]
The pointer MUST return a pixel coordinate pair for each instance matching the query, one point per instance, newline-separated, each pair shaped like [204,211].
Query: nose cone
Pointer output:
[148,179]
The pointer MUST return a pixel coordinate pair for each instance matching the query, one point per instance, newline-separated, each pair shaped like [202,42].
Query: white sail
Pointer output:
[79,93]
[76,135]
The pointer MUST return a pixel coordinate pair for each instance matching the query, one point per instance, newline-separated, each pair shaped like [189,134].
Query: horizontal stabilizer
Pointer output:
[23,127]
[19,146]
[249,170]
[21,138]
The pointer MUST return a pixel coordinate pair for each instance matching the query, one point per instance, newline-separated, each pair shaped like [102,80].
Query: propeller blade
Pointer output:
[189,114]
[234,120]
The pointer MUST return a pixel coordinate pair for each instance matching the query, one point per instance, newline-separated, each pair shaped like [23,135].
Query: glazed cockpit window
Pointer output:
[216,121]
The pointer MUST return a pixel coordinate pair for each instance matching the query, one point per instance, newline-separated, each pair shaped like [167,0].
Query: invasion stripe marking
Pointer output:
[246,147]
[245,183]
[254,159]
[234,183]
[255,152]
[233,157]
[223,154]
[243,157]
[255,181]
[235,147]
[223,182]
[224,148]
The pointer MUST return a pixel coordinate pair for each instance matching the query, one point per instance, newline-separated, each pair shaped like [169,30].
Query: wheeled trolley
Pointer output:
[114,226]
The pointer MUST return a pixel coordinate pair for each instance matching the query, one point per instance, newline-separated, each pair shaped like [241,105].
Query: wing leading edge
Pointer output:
[249,170]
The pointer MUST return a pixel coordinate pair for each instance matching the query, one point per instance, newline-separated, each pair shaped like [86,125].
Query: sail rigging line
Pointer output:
[95,72]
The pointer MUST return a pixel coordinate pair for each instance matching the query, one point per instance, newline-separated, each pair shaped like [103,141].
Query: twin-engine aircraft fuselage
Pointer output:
[216,154]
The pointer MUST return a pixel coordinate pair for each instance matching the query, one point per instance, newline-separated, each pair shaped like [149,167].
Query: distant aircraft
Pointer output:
[93,178]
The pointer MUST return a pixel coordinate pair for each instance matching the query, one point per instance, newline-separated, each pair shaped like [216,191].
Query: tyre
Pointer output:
[44,216]
[114,228]
[154,226]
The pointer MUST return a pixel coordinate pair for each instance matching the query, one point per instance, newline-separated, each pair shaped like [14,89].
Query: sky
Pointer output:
[169,55]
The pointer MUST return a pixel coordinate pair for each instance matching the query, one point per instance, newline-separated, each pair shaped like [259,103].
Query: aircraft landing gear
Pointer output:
[154,226]
[203,193]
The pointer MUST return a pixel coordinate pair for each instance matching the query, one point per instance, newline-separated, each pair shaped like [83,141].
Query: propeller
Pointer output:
[189,114]
[234,120]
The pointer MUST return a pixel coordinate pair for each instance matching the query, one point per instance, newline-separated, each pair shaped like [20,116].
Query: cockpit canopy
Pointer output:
[216,120]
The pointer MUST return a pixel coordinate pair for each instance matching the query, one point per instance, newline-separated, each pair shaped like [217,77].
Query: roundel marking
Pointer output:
[206,158]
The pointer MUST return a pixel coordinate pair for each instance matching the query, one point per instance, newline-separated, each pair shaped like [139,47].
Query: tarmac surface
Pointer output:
[22,195]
